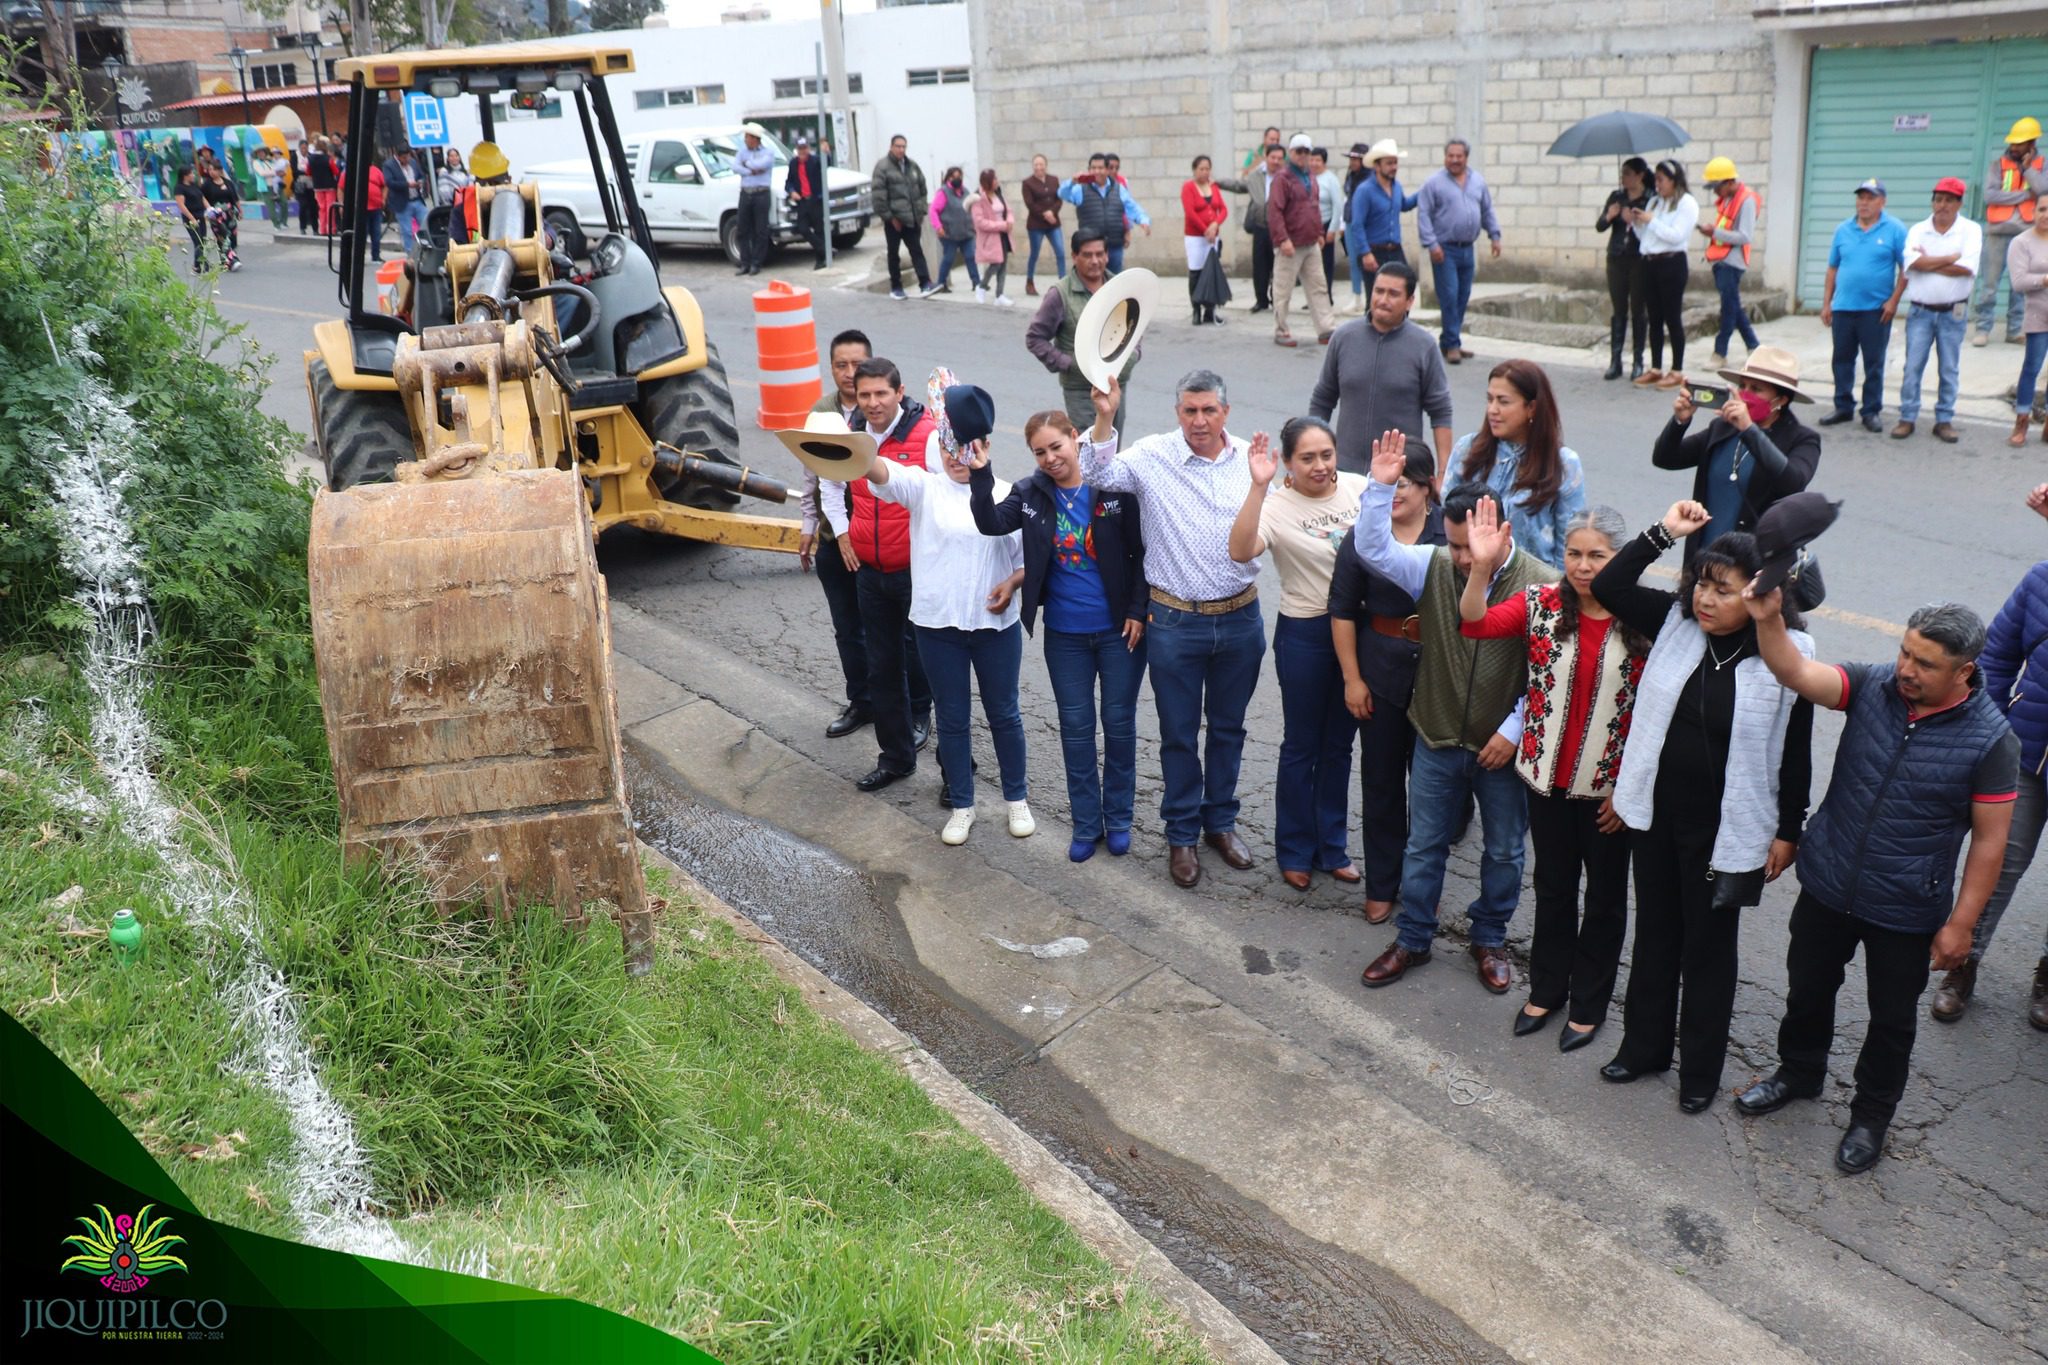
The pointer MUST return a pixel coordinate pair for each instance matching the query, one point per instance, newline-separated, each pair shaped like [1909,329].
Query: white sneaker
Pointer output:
[1022,826]
[957,825]
[1005,301]
[980,294]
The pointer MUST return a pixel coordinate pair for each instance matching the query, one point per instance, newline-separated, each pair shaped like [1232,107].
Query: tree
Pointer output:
[616,14]
[558,17]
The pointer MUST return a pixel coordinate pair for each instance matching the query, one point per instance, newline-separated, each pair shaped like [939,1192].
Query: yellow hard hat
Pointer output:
[487,162]
[1720,168]
[2026,130]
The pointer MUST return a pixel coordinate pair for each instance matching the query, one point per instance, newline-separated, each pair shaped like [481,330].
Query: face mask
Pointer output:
[1759,407]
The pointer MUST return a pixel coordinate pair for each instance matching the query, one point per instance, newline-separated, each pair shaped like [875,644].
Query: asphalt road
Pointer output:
[1956,1219]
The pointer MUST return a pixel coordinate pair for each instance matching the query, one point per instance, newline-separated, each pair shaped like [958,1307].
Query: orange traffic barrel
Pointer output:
[788,338]
[388,276]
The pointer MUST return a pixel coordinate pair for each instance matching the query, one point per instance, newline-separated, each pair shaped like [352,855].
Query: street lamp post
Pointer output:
[311,42]
[241,60]
[110,67]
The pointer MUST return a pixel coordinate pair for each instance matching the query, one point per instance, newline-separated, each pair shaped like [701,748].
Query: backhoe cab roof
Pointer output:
[412,70]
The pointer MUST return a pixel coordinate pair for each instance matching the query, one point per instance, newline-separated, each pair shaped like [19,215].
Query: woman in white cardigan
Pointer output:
[1665,228]
[963,601]
[1714,784]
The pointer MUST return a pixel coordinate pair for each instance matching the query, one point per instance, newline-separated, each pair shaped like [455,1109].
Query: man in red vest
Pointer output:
[2017,179]
[1729,237]
[877,545]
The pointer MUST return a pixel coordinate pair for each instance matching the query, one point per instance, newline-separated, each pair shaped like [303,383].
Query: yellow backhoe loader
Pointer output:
[531,389]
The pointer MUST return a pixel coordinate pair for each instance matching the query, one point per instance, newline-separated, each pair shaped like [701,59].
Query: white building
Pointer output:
[907,71]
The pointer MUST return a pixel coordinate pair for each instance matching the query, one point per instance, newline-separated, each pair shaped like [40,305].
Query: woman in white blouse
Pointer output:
[1665,228]
[963,601]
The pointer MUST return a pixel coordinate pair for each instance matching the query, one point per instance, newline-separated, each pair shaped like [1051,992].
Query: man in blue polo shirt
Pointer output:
[1866,276]
[1373,237]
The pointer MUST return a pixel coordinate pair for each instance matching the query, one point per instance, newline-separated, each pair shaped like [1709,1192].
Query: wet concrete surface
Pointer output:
[1311,1302]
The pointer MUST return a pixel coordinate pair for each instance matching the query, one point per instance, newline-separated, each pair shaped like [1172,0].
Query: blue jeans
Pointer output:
[964,250]
[1101,801]
[1116,258]
[1860,331]
[1439,784]
[1941,332]
[1040,236]
[412,220]
[376,233]
[994,657]
[1312,801]
[2030,372]
[1202,665]
[1728,279]
[1452,277]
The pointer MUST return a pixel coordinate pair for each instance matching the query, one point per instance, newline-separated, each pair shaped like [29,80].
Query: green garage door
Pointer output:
[1908,115]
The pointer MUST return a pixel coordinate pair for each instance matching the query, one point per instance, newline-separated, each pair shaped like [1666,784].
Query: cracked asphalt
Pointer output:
[1952,1226]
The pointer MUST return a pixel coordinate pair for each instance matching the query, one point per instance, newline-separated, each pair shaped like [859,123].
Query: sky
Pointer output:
[690,13]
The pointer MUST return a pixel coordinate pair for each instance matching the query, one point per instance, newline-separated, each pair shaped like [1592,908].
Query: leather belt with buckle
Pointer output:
[1215,608]
[1407,628]
[1943,307]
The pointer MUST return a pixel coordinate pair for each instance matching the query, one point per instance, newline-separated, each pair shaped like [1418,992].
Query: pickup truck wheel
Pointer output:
[729,239]
[846,241]
[362,436]
[693,412]
[568,232]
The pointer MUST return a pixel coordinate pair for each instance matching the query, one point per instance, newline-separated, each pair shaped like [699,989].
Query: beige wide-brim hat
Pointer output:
[1383,148]
[829,449]
[1773,365]
[1114,322]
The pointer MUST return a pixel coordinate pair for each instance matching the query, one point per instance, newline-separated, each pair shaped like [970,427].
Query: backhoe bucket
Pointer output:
[464,650]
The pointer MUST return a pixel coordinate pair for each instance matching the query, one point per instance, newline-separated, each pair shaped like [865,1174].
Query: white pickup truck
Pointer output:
[690,192]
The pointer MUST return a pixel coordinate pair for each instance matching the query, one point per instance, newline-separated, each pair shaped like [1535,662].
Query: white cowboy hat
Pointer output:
[829,449]
[754,130]
[1773,365]
[1383,148]
[1113,322]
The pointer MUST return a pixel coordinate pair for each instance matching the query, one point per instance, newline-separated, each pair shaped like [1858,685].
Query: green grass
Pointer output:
[694,1148]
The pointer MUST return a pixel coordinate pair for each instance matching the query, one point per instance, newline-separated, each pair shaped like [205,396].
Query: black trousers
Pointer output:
[1571,963]
[897,689]
[912,237]
[1631,305]
[1330,271]
[1386,744]
[1680,938]
[1382,253]
[1262,268]
[1664,282]
[753,228]
[810,220]
[1895,969]
[842,599]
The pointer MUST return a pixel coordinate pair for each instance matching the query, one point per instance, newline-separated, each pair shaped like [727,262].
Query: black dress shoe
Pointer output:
[847,721]
[1621,1073]
[1695,1103]
[920,733]
[1527,1023]
[1571,1039]
[1861,1146]
[1873,425]
[1835,419]
[1772,1093]
[878,779]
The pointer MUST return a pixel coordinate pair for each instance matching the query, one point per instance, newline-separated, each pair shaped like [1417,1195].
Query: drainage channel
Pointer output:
[1311,1302]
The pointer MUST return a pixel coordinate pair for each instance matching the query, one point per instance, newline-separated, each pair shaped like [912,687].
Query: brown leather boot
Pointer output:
[2037,1009]
[1952,996]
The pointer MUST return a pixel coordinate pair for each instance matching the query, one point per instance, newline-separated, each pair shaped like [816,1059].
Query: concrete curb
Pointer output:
[1092,1218]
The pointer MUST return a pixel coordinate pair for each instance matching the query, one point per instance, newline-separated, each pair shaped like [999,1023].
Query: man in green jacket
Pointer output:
[902,199]
[1050,335]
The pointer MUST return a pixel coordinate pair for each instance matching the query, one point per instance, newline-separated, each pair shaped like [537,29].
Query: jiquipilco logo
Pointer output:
[126,1253]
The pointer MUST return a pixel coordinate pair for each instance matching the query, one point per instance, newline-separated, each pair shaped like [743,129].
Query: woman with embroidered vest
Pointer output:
[1714,782]
[1377,635]
[1520,454]
[963,601]
[1305,522]
[1084,562]
[1583,669]
[953,224]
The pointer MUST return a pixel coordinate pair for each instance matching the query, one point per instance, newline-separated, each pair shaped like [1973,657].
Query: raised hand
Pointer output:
[1685,517]
[1390,456]
[1735,413]
[1682,406]
[976,454]
[1106,401]
[1265,460]
[1763,606]
[1487,537]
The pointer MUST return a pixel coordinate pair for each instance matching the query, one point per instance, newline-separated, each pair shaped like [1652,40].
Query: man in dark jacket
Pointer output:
[2016,679]
[902,200]
[1925,759]
[1752,454]
[804,188]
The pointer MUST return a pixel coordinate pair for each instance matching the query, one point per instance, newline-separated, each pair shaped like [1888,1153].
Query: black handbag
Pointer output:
[1737,890]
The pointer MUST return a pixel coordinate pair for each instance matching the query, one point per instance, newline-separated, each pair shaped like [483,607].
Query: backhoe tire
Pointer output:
[693,412]
[362,436]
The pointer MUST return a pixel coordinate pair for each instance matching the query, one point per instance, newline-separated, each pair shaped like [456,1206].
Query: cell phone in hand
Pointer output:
[1707,395]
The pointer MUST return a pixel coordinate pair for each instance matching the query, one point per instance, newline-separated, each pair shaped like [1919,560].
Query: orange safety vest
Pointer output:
[2012,177]
[1726,211]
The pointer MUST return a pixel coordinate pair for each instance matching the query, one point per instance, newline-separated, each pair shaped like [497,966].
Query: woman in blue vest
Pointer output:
[1084,563]
[1714,783]
[1519,453]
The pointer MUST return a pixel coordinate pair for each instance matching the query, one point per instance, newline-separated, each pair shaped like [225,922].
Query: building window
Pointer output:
[938,75]
[678,96]
[647,99]
[953,75]
[788,89]
[711,94]
[792,87]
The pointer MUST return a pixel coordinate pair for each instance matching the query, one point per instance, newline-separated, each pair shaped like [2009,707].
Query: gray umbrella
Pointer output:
[1619,133]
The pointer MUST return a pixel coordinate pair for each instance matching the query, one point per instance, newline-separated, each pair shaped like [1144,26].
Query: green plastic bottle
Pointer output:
[126,936]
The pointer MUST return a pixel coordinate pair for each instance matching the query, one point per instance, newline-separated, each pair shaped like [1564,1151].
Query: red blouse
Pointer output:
[1200,211]
[1511,618]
